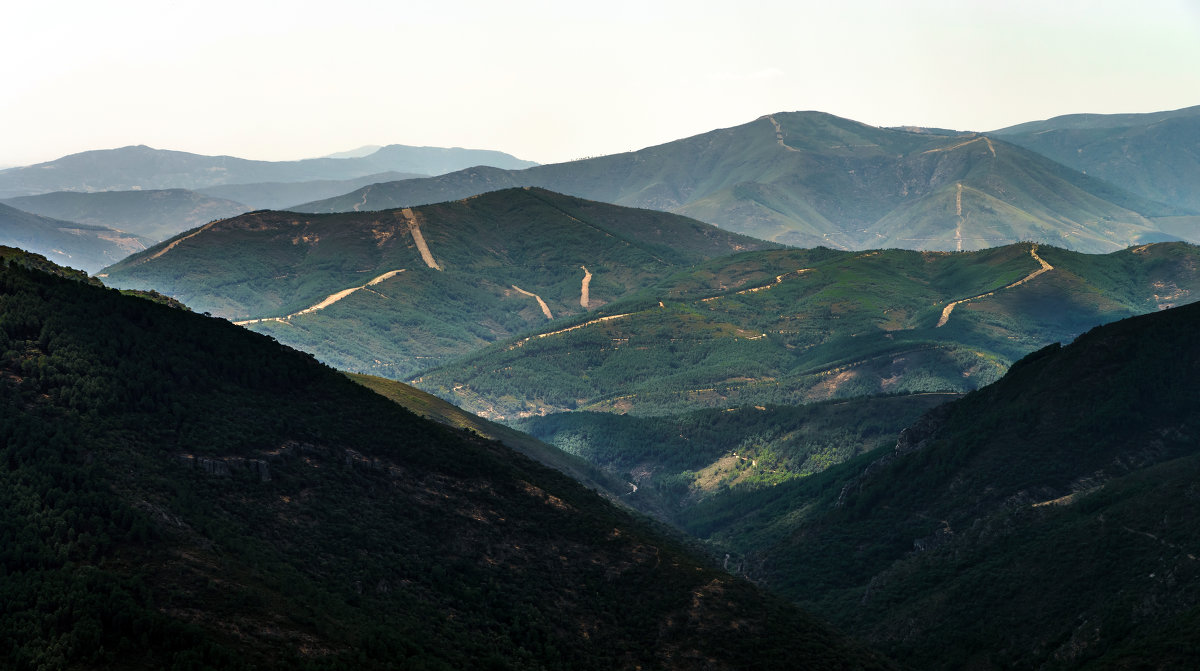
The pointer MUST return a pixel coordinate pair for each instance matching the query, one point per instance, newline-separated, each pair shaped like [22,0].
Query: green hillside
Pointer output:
[152,214]
[1045,521]
[493,261]
[808,178]
[795,326]
[179,493]
[1155,155]
[84,246]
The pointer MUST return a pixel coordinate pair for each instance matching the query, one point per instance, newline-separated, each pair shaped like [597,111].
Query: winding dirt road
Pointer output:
[1045,267]
[329,300]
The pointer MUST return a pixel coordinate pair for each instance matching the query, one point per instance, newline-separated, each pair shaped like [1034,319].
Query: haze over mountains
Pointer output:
[141,167]
[808,178]
[84,246]
[151,214]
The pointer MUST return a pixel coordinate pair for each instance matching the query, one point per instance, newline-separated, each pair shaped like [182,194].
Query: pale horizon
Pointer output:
[552,83]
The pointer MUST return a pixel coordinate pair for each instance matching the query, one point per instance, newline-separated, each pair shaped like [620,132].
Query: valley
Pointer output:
[447,408]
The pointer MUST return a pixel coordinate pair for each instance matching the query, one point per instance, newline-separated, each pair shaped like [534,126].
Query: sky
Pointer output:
[557,80]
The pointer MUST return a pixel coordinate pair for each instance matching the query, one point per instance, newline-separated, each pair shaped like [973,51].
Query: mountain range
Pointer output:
[141,167]
[809,178]
[959,425]
[181,493]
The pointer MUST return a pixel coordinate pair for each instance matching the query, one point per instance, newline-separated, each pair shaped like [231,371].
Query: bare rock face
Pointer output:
[214,466]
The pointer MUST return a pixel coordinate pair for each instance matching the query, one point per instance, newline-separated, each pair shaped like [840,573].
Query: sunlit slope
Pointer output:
[397,291]
[800,325]
[1046,521]
[808,178]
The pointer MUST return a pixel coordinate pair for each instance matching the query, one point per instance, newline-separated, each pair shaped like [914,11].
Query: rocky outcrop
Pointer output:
[911,439]
[227,466]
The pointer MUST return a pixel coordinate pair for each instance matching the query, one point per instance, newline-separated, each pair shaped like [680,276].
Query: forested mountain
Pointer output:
[153,214]
[808,178]
[1155,155]
[181,493]
[69,243]
[142,167]
[398,291]
[1045,521]
[794,326]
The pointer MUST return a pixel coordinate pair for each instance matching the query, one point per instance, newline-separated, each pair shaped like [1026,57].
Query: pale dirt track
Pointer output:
[329,300]
[171,246]
[542,303]
[779,134]
[415,229]
[958,210]
[1045,267]
[583,290]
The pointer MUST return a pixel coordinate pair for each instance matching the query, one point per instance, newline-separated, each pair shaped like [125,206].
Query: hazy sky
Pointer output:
[552,81]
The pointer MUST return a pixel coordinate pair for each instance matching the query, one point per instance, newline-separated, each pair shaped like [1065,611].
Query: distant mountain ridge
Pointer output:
[141,167]
[154,214]
[1155,155]
[68,243]
[278,195]
[809,178]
